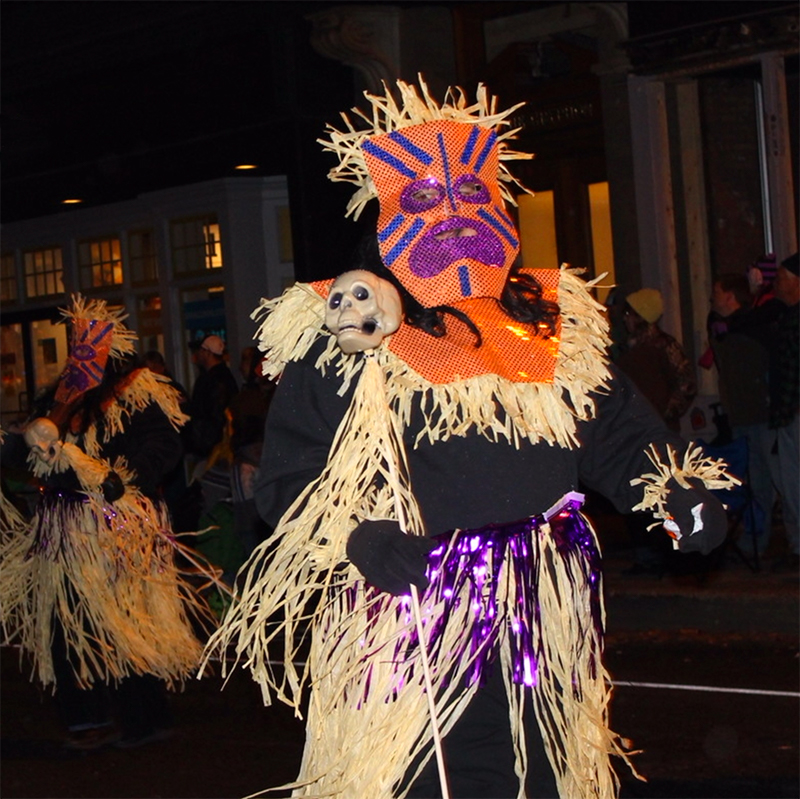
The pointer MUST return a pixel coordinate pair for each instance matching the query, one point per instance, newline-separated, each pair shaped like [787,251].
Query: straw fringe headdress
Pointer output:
[415,107]
[123,339]
[98,333]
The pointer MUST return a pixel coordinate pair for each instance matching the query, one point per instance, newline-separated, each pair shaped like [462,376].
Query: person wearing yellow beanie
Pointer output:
[647,303]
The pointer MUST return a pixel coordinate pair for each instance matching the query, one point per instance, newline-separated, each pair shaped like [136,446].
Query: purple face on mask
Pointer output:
[442,229]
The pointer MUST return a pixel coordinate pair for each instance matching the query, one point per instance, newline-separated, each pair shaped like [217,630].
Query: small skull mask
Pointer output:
[41,435]
[362,309]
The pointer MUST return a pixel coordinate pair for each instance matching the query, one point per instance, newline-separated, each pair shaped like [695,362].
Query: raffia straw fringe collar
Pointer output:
[535,412]
[142,388]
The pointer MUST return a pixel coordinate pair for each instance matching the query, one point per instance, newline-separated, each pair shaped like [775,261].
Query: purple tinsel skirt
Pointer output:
[465,567]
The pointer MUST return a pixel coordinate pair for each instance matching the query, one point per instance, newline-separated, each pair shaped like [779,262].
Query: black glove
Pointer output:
[680,502]
[388,558]
[112,487]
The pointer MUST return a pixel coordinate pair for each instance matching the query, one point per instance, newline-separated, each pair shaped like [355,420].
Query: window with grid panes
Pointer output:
[8,278]
[195,244]
[44,272]
[142,257]
[100,262]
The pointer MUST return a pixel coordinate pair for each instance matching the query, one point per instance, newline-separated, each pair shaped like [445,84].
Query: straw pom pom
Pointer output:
[712,473]
[288,326]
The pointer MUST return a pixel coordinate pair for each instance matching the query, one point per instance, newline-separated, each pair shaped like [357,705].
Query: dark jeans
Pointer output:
[139,702]
[479,756]
[79,708]
[142,705]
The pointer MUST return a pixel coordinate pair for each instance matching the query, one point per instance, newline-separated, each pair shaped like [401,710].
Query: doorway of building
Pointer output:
[33,350]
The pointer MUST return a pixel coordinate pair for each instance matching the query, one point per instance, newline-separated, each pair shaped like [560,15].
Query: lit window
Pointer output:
[602,245]
[8,278]
[150,326]
[44,272]
[537,230]
[100,262]
[195,245]
[142,256]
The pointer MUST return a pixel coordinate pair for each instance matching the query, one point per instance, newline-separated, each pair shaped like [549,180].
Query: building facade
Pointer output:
[182,262]
[665,137]
[665,134]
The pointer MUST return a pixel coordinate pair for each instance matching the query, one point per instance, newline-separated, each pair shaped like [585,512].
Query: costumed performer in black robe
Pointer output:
[437,465]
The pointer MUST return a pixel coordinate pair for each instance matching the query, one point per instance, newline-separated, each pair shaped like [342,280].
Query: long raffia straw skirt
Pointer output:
[524,598]
[106,574]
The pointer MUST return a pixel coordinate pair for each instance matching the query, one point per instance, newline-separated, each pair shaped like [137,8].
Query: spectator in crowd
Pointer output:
[248,416]
[184,506]
[765,310]
[155,362]
[761,278]
[784,400]
[213,391]
[654,360]
[742,361]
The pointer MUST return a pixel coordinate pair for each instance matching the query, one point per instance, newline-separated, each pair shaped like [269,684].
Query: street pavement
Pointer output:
[704,659]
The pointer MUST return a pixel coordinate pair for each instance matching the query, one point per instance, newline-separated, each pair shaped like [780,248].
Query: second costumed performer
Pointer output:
[95,585]
[434,452]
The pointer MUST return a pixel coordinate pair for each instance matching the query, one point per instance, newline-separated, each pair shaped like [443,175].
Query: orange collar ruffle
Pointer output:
[513,350]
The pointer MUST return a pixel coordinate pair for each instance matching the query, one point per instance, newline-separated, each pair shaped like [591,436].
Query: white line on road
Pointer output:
[707,688]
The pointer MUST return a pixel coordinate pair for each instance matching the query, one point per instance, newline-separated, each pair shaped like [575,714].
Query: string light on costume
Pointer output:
[528,672]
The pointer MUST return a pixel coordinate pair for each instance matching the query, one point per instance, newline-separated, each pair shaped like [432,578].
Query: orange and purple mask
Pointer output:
[91,345]
[442,228]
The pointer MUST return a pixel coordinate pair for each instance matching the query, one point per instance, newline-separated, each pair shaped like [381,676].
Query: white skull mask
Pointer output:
[361,309]
[41,435]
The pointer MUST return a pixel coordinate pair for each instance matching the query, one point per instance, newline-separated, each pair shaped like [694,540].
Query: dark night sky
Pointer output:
[107,99]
